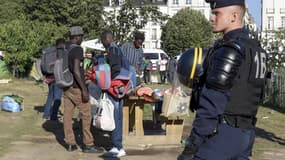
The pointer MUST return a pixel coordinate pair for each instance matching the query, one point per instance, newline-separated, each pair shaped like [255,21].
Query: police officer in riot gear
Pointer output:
[230,87]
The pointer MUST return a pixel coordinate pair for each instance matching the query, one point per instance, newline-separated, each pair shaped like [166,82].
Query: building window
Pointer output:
[188,1]
[282,7]
[175,1]
[270,25]
[119,2]
[154,34]
[283,21]
[269,10]
[269,4]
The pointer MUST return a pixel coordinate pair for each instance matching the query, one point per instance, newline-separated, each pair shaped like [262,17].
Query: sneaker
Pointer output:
[121,153]
[45,118]
[92,149]
[114,152]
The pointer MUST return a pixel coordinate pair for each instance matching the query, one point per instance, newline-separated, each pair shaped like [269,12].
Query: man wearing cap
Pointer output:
[77,96]
[229,90]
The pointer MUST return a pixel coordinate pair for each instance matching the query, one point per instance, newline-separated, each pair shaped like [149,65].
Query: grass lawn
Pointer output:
[15,125]
[18,127]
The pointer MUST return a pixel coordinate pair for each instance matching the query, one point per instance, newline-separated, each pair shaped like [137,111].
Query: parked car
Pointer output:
[155,55]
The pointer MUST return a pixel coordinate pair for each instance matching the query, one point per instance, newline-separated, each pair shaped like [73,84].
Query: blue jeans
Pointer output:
[117,133]
[53,101]
[134,77]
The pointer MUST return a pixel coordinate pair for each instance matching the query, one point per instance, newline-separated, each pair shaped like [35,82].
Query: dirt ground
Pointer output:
[25,136]
[50,147]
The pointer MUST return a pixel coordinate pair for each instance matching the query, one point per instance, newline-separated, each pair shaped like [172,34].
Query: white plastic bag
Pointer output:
[104,114]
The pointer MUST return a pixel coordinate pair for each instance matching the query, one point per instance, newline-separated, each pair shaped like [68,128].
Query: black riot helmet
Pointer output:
[190,66]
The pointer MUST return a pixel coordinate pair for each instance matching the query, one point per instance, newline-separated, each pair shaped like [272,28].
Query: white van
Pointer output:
[155,55]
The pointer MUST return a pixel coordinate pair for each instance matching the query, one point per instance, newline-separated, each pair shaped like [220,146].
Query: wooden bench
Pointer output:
[173,127]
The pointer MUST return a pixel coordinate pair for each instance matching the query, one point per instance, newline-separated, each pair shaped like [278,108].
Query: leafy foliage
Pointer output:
[35,24]
[86,13]
[22,40]
[128,18]
[10,10]
[274,44]
[187,29]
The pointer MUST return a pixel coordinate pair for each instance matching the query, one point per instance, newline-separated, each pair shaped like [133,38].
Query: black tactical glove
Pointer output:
[189,151]
[191,146]
[194,103]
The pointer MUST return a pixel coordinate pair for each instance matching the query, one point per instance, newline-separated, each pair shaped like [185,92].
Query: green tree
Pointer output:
[86,13]
[274,44]
[187,29]
[10,10]
[23,40]
[129,18]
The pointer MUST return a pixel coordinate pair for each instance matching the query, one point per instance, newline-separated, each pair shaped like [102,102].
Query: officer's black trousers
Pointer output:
[229,143]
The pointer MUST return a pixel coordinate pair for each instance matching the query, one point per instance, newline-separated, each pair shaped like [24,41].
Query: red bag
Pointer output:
[48,80]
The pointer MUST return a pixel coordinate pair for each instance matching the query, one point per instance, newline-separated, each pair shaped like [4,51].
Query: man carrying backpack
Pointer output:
[54,92]
[77,96]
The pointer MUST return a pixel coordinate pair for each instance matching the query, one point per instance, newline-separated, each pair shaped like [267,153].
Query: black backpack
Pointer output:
[62,74]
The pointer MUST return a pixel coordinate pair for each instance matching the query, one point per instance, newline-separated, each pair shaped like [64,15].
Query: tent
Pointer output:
[93,44]
[36,72]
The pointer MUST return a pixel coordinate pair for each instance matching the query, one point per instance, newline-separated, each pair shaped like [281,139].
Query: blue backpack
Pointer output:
[103,73]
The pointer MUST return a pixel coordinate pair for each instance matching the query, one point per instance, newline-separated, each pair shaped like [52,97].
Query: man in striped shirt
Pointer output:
[134,53]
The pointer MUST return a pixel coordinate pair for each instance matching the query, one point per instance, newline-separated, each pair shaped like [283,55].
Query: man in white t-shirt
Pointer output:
[162,70]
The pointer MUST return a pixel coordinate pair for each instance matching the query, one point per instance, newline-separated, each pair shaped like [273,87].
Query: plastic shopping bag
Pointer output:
[104,114]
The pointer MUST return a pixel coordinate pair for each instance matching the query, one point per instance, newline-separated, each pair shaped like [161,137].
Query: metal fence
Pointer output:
[275,89]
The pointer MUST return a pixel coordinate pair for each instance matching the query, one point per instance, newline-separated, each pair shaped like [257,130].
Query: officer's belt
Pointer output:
[238,121]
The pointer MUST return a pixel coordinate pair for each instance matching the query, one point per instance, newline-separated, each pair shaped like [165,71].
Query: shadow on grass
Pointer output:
[56,127]
[114,158]
[39,109]
[269,136]
[275,108]
[101,138]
